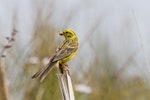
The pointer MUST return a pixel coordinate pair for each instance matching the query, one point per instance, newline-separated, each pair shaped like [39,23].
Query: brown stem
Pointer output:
[3,87]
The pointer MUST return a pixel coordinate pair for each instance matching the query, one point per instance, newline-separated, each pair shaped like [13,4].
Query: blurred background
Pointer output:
[114,53]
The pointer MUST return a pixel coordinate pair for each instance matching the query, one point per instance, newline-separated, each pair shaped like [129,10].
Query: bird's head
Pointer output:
[68,34]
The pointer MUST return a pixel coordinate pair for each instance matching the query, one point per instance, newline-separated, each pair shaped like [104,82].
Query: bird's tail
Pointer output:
[43,73]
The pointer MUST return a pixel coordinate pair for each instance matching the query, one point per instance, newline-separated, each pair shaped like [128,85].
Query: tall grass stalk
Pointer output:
[3,85]
[141,42]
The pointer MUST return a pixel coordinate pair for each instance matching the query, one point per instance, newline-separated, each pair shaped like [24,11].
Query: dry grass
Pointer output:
[3,83]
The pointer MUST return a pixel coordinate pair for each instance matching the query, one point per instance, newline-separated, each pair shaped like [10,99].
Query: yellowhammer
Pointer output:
[65,52]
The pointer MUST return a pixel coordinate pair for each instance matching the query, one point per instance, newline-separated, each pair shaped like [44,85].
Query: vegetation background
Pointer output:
[113,59]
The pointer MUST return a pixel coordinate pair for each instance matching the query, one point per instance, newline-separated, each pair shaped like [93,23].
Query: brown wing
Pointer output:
[66,49]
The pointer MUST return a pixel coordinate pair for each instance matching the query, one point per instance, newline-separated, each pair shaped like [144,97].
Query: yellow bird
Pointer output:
[65,52]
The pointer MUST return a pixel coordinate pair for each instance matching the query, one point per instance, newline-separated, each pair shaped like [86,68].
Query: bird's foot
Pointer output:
[64,68]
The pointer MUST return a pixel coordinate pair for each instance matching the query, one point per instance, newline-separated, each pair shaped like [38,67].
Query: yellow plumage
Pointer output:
[65,52]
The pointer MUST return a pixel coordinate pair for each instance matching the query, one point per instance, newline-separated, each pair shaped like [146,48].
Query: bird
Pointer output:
[64,53]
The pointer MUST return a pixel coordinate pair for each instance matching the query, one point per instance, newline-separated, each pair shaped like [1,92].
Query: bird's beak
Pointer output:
[61,33]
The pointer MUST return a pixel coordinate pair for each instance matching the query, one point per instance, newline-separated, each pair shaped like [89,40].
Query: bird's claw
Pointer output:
[64,68]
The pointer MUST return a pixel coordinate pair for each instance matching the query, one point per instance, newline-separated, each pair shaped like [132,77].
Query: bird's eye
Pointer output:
[66,32]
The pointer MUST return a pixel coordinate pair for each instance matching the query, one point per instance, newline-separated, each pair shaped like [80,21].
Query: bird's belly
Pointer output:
[64,60]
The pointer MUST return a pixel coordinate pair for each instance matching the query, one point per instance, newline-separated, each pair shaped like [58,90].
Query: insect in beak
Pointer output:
[61,33]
